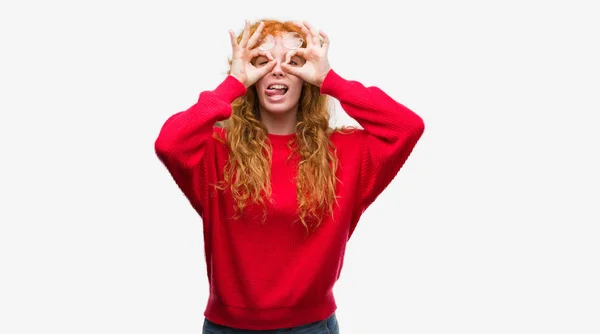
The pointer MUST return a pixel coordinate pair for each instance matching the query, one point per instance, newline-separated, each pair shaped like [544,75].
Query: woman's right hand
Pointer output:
[242,55]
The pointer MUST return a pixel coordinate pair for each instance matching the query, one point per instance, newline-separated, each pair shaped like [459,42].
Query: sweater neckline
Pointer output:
[277,139]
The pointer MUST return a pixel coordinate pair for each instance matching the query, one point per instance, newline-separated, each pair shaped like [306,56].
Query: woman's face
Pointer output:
[278,91]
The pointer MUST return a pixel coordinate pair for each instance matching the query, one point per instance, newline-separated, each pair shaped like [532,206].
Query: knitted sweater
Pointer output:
[272,274]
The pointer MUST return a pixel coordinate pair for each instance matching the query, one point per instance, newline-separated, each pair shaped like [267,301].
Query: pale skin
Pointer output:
[292,68]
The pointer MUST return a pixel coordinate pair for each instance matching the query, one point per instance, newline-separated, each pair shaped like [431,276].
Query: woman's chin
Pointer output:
[277,109]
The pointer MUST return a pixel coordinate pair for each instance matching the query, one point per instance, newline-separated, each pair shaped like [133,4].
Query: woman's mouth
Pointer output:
[275,90]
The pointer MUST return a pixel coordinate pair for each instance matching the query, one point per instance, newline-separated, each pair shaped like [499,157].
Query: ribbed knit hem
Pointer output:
[230,89]
[268,319]
[333,84]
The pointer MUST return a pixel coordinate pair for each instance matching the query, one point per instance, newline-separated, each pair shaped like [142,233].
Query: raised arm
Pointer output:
[390,129]
[390,133]
[184,139]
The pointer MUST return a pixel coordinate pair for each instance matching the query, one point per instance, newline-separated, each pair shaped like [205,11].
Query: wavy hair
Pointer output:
[247,172]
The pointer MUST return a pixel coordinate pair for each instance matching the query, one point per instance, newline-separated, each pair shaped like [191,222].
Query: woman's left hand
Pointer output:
[317,66]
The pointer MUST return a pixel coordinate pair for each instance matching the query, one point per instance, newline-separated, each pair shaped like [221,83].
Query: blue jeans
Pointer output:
[327,326]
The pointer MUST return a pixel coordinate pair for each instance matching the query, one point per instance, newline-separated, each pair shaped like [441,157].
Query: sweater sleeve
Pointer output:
[182,142]
[390,132]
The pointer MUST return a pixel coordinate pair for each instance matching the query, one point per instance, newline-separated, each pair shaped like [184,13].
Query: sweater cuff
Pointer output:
[230,89]
[333,84]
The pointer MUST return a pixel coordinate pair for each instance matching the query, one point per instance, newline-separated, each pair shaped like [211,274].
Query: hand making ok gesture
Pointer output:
[317,65]
[243,53]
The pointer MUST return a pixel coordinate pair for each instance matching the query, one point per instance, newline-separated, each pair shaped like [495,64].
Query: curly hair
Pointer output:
[247,172]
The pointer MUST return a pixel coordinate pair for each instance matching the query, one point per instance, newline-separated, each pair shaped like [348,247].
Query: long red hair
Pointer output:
[247,173]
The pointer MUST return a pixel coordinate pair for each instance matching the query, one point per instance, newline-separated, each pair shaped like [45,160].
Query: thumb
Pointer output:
[291,69]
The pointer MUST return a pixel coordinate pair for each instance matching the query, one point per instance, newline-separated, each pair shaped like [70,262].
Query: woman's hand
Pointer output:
[242,55]
[317,66]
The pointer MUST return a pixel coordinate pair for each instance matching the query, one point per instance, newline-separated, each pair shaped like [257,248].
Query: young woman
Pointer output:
[280,192]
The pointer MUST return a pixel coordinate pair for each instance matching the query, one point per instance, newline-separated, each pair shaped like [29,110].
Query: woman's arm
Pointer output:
[390,133]
[183,140]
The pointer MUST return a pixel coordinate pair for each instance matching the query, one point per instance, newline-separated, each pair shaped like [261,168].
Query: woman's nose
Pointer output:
[277,70]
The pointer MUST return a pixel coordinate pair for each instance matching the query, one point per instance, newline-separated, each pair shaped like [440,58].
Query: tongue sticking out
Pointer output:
[275,91]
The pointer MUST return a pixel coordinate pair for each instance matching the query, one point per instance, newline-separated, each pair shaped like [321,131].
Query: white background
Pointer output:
[492,226]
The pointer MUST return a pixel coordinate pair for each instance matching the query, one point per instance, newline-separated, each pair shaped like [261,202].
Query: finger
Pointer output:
[290,54]
[297,71]
[326,41]
[257,52]
[234,42]
[267,68]
[245,35]
[256,35]
[269,55]
[313,32]
[306,33]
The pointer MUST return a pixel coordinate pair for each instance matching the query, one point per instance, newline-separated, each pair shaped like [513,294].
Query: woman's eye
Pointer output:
[296,61]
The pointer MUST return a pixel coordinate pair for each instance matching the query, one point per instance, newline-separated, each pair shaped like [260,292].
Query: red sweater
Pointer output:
[272,275]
